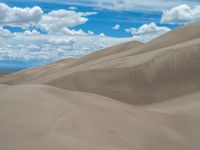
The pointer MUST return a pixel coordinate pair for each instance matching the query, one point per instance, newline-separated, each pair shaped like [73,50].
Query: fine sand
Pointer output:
[132,96]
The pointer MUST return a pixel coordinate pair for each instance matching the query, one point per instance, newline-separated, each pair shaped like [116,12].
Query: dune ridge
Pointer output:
[130,96]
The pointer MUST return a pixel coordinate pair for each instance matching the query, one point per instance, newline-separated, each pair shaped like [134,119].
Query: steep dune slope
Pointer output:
[146,79]
[46,118]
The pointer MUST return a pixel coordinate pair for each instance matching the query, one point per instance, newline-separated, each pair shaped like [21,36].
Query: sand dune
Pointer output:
[152,77]
[140,78]
[59,119]
[62,66]
[130,96]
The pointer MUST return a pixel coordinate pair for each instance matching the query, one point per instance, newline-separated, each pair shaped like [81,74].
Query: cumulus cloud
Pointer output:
[53,47]
[102,35]
[131,30]
[182,14]
[15,16]
[5,33]
[127,5]
[68,31]
[151,29]
[47,36]
[72,8]
[30,33]
[116,27]
[90,32]
[117,5]
[147,32]
[63,42]
[33,47]
[55,21]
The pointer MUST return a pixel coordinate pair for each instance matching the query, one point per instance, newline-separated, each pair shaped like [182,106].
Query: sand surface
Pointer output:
[132,96]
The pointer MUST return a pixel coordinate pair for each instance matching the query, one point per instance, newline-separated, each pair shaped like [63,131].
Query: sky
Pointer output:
[37,32]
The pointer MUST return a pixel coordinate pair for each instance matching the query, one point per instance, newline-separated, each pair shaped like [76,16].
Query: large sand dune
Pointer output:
[41,117]
[130,96]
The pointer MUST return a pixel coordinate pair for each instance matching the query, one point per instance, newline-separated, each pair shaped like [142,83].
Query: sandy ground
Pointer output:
[132,96]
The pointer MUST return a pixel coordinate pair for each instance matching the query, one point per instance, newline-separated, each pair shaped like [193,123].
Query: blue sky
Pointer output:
[36,32]
[101,22]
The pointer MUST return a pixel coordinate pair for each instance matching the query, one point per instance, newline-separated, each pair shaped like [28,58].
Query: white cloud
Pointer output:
[25,33]
[182,14]
[67,31]
[33,47]
[116,27]
[53,47]
[90,32]
[55,21]
[30,33]
[126,5]
[131,30]
[152,28]
[72,8]
[73,32]
[60,41]
[64,42]
[5,33]
[147,32]
[15,16]
[102,35]
[117,5]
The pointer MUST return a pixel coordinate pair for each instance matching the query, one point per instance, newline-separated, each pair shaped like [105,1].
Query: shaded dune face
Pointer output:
[171,72]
